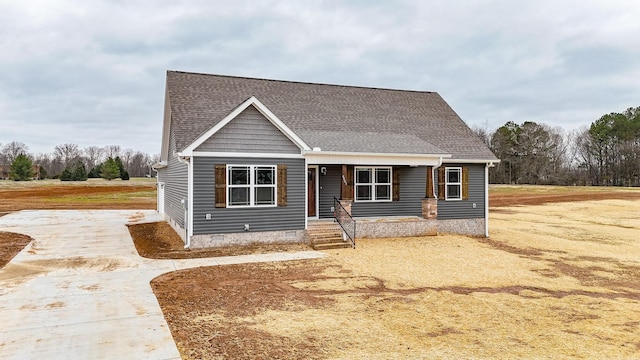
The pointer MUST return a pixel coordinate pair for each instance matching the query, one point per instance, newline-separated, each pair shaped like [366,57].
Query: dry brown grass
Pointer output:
[554,281]
[137,193]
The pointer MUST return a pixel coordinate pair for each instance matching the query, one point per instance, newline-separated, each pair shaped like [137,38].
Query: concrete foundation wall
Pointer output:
[471,227]
[382,228]
[248,238]
[176,226]
[395,228]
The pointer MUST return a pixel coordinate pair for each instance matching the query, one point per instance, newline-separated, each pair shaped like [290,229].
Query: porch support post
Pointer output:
[346,187]
[430,208]
[430,202]
[346,204]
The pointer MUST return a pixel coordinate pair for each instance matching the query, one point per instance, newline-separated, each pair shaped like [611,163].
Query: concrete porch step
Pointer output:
[328,246]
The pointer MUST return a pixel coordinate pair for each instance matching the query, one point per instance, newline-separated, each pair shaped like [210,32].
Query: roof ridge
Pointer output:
[301,82]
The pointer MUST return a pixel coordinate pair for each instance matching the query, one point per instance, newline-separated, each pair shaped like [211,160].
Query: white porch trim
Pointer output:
[346,158]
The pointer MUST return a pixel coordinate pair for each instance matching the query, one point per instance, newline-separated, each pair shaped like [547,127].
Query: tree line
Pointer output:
[607,153]
[69,162]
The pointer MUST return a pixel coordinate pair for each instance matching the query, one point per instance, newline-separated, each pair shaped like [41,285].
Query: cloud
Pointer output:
[93,72]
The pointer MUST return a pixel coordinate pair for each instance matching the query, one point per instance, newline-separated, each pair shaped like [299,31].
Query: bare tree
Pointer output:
[93,156]
[112,151]
[125,156]
[483,133]
[13,149]
[67,153]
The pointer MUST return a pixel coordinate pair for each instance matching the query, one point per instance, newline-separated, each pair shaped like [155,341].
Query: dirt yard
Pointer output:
[10,245]
[91,194]
[559,280]
[160,241]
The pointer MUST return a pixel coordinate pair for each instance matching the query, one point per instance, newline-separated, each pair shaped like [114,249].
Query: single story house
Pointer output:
[248,160]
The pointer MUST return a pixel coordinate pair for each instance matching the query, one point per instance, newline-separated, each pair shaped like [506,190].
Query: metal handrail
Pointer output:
[345,220]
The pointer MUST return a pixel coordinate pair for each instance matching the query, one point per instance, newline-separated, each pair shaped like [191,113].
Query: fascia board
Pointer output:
[473,161]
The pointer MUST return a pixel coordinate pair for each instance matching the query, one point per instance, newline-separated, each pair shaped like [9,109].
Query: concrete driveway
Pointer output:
[80,290]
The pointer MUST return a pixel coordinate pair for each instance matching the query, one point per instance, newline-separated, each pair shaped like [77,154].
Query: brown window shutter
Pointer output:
[441,183]
[282,185]
[465,183]
[396,184]
[346,190]
[429,192]
[221,185]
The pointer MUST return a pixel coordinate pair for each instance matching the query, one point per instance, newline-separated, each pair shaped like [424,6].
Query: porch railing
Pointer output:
[346,221]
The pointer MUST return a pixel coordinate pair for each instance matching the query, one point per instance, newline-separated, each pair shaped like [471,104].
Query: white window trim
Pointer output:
[252,186]
[373,183]
[447,183]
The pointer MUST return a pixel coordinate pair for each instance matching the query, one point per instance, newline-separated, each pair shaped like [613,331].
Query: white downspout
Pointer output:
[187,228]
[486,198]
[433,176]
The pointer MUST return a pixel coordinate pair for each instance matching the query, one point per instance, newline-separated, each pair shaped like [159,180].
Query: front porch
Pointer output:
[327,233]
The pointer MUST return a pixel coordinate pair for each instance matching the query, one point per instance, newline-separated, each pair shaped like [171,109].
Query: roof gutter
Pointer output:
[315,151]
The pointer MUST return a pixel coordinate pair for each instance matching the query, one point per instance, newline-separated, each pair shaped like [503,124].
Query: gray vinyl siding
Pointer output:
[329,187]
[232,220]
[412,191]
[463,209]
[249,132]
[174,177]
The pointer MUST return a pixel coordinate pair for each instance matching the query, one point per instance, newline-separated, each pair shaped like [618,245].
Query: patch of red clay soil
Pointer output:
[158,240]
[10,245]
[519,198]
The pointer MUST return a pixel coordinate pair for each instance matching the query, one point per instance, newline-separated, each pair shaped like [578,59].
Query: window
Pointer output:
[453,185]
[373,183]
[251,185]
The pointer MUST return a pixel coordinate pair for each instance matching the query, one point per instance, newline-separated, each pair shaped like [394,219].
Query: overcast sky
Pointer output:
[93,72]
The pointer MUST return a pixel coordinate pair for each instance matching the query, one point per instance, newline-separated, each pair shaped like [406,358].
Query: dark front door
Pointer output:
[311,192]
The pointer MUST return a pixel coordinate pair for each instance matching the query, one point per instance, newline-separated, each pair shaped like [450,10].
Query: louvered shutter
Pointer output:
[221,185]
[282,185]
[465,183]
[396,184]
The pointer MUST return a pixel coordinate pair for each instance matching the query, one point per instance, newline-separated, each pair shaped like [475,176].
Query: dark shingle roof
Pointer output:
[332,117]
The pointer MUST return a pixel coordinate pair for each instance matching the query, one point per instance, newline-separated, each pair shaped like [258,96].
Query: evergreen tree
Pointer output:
[43,173]
[95,172]
[110,169]
[80,173]
[21,168]
[124,175]
[66,175]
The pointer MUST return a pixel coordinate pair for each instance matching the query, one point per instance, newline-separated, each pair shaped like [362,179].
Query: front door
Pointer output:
[311,192]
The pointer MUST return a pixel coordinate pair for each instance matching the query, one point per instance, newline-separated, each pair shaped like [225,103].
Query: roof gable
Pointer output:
[252,101]
[249,132]
[330,117]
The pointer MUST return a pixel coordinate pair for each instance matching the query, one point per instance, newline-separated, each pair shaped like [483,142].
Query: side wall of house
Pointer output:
[465,209]
[249,132]
[412,191]
[174,176]
[232,220]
